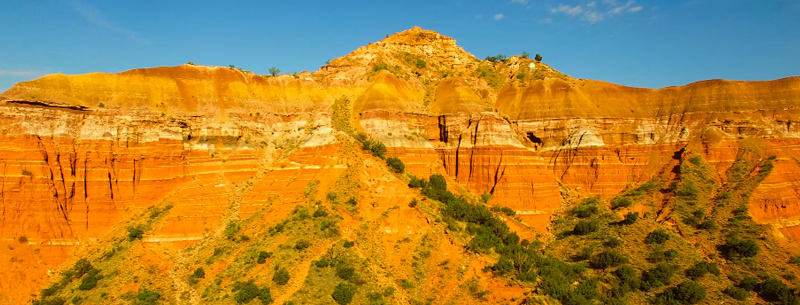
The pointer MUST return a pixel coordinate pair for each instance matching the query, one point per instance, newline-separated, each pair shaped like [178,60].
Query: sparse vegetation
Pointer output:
[281,276]
[395,164]
[274,71]
[496,58]
[135,233]
[657,237]
[343,293]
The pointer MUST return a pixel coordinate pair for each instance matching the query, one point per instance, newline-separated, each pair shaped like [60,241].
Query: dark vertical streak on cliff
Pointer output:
[498,174]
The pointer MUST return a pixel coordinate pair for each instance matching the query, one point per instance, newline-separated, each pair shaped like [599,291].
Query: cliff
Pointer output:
[82,155]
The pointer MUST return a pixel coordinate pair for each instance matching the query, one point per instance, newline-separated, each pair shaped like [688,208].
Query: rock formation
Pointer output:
[81,154]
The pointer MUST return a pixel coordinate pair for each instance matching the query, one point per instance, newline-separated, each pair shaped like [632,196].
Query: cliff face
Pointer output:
[81,154]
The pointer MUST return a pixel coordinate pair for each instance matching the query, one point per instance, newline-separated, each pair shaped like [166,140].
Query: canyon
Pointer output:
[83,155]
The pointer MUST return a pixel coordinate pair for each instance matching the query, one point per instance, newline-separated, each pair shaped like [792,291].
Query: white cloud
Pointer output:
[566,9]
[94,16]
[616,9]
[519,1]
[595,11]
[546,20]
[593,17]
[498,17]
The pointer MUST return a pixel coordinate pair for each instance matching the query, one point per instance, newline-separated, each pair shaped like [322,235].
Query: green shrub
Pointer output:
[51,290]
[76,300]
[348,244]
[263,256]
[380,66]
[89,281]
[658,276]
[584,227]
[420,64]
[606,259]
[413,203]
[332,196]
[302,245]
[537,58]
[320,212]
[684,293]
[343,293]
[612,242]
[702,268]
[395,164]
[417,183]
[707,225]
[585,211]
[657,237]
[135,233]
[525,54]
[231,229]
[749,283]
[688,190]
[147,297]
[246,292]
[735,248]
[775,290]
[406,284]
[662,256]
[630,218]
[322,263]
[503,266]
[378,149]
[346,273]
[81,267]
[737,293]
[281,276]
[505,210]
[628,281]
[199,273]
[496,58]
[621,202]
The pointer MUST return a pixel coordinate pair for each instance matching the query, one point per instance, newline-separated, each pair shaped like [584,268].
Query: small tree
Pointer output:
[147,297]
[274,71]
[606,259]
[684,293]
[281,276]
[657,237]
[395,164]
[377,149]
[537,58]
[199,273]
[343,293]
[135,233]
[584,227]
[525,54]
[630,218]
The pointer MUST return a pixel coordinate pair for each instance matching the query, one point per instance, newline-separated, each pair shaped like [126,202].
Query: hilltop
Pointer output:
[408,171]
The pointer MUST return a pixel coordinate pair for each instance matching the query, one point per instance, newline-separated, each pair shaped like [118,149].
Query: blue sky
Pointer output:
[637,43]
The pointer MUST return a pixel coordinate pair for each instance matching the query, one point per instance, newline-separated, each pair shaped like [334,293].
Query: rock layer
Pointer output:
[80,154]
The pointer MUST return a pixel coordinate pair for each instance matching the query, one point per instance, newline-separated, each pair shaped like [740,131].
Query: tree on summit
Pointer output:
[274,71]
[537,58]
